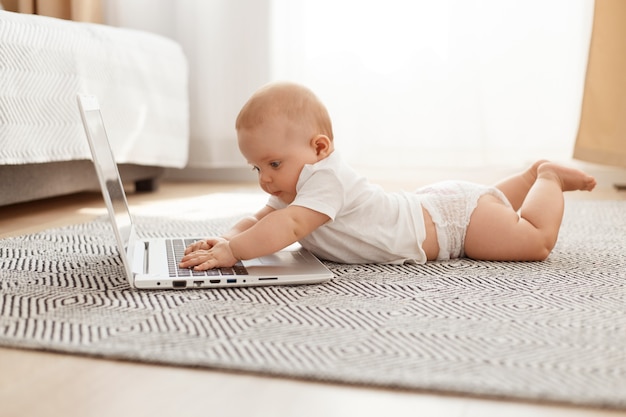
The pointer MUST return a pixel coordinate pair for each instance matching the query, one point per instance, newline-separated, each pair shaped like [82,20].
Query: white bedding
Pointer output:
[139,78]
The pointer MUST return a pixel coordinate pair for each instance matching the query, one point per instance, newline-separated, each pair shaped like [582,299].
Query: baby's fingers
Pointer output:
[192,259]
[199,245]
[209,264]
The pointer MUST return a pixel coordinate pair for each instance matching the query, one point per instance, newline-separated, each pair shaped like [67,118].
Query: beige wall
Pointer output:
[602,132]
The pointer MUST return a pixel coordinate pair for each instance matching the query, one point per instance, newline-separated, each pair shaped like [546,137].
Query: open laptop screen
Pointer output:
[108,175]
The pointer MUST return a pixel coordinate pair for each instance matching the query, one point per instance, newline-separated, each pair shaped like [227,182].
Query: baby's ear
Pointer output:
[322,145]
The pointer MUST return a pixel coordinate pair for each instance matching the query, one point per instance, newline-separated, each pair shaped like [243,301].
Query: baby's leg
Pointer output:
[516,187]
[496,232]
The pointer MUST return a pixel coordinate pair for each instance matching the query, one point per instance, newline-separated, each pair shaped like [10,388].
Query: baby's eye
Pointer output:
[275,164]
[255,169]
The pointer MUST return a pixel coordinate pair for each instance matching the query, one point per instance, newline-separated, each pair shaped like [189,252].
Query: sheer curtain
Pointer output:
[79,10]
[456,82]
[227,47]
[408,82]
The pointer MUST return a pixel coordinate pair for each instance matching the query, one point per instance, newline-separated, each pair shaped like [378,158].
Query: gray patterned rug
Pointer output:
[553,330]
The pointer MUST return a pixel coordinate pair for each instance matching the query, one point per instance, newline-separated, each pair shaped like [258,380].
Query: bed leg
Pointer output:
[146,186]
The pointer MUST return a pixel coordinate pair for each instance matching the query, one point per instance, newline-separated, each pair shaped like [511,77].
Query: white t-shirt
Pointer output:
[367,224]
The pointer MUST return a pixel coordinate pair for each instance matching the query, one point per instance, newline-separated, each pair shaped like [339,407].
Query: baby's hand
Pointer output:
[201,244]
[212,253]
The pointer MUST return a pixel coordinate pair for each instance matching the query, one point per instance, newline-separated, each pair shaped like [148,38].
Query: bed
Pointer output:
[140,80]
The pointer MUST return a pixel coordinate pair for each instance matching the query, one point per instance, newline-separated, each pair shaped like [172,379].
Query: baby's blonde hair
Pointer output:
[293,101]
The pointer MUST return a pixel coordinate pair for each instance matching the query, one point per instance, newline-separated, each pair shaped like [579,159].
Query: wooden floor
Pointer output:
[35,383]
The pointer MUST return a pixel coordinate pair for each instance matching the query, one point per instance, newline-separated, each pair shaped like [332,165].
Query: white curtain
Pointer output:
[408,82]
[227,46]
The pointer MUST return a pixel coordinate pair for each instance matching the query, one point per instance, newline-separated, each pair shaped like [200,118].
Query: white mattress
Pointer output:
[139,78]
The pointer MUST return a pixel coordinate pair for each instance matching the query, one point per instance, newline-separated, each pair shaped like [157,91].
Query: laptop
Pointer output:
[153,263]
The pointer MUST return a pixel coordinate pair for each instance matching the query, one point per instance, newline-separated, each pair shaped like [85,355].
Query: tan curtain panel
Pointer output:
[602,132]
[79,10]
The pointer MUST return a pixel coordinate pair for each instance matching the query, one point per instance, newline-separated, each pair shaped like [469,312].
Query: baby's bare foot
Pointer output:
[571,179]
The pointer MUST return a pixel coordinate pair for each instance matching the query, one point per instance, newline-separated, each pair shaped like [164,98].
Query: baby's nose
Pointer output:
[265,178]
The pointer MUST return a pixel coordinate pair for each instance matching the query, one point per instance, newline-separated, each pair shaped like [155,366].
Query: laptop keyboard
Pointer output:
[176,250]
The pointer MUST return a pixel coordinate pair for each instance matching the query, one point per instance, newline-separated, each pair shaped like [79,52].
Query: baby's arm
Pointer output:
[275,230]
[247,222]
[241,226]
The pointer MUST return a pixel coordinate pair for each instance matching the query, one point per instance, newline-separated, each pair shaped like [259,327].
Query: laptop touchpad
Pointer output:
[281,258]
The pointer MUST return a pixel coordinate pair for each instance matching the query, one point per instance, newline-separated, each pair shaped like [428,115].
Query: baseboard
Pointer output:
[607,176]
[231,174]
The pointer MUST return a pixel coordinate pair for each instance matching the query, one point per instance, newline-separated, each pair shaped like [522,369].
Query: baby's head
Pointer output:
[290,102]
[281,128]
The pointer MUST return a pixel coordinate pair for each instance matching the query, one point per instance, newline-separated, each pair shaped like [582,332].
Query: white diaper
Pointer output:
[450,204]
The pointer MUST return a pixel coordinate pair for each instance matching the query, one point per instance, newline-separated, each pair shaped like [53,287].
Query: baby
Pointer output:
[285,133]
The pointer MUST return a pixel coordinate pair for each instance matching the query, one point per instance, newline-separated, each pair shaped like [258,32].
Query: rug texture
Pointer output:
[552,330]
